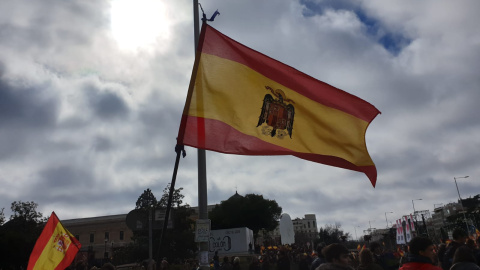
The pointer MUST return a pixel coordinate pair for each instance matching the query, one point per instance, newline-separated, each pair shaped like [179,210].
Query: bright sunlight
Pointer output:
[138,23]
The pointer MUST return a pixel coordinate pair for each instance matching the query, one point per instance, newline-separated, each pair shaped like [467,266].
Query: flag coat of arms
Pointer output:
[55,248]
[243,102]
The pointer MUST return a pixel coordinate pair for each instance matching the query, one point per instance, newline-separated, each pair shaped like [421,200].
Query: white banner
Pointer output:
[408,234]
[236,240]
[400,239]
[412,227]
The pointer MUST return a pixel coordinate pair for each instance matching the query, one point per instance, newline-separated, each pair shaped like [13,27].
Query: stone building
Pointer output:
[100,235]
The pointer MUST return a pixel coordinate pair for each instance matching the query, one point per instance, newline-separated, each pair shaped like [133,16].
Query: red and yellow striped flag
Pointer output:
[55,248]
[243,102]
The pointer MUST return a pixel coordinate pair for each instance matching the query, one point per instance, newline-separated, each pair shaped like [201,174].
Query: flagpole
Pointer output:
[202,164]
[180,150]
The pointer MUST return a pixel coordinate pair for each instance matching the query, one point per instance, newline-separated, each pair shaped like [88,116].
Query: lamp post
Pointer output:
[386,220]
[463,210]
[355,227]
[414,205]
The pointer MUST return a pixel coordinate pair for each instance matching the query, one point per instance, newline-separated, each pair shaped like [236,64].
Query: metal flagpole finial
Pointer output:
[204,17]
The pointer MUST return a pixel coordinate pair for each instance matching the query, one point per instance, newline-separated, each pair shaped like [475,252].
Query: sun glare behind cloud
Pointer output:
[138,23]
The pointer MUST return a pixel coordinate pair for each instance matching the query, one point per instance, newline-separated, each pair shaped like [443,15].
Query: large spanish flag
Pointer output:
[243,102]
[55,248]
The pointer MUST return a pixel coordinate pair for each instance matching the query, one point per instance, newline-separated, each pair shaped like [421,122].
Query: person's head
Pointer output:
[108,266]
[422,246]
[336,253]
[463,254]
[376,248]
[459,236]
[236,260]
[366,256]
[319,249]
[470,243]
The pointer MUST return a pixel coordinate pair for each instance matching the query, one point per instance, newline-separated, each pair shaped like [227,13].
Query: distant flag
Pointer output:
[448,242]
[400,252]
[55,248]
[412,224]
[408,234]
[364,247]
[400,238]
[358,247]
[243,102]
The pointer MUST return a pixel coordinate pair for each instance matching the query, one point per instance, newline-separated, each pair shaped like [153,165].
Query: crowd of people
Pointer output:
[462,253]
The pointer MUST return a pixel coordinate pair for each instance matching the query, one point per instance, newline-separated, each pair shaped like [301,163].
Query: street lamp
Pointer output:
[463,210]
[355,227]
[386,217]
[414,204]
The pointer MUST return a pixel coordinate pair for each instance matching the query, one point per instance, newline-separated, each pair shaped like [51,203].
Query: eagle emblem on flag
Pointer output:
[278,113]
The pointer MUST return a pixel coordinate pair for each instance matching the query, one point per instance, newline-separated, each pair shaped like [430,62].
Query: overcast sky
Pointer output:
[91,96]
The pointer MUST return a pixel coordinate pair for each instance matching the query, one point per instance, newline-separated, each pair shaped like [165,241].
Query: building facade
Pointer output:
[100,235]
[305,229]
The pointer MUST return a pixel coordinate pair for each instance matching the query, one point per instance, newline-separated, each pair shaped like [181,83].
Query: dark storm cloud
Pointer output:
[102,144]
[26,112]
[106,105]
[26,106]
[59,177]
[43,24]
[392,40]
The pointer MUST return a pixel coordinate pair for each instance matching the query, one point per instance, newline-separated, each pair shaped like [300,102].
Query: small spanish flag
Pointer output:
[359,247]
[364,247]
[55,248]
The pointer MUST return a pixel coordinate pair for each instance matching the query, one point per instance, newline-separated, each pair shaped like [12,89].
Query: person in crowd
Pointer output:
[266,263]
[464,259]
[471,244]
[303,262]
[379,257]
[459,238]
[337,258]
[226,264]
[403,257]
[283,262]
[255,264]
[216,261]
[236,263]
[421,255]
[441,253]
[366,261]
[320,258]
[163,264]
[108,266]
